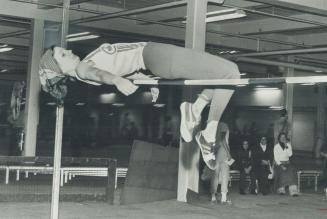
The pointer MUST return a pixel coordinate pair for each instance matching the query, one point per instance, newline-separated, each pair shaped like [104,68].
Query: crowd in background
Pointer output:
[262,159]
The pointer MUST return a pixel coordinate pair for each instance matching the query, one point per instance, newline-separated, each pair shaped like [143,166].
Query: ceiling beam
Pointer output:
[105,16]
[312,38]
[11,57]
[14,22]
[272,25]
[30,11]
[220,2]
[14,41]
[306,6]
[279,64]
[13,76]
[129,24]
[284,52]
[311,21]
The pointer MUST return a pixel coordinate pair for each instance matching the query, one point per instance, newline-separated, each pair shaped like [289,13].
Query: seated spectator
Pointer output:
[262,161]
[244,160]
[285,173]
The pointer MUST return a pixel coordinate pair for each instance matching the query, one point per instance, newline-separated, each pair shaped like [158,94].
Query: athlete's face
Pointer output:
[66,60]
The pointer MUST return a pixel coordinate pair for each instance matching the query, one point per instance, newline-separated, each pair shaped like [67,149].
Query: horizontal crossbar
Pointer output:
[236,82]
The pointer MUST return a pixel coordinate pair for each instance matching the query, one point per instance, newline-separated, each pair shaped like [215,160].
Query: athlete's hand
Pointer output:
[124,85]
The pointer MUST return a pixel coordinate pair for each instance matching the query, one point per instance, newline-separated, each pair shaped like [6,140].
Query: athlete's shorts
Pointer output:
[173,62]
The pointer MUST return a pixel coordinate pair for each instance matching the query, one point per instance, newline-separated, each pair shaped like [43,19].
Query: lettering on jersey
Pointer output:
[128,46]
[122,47]
[107,48]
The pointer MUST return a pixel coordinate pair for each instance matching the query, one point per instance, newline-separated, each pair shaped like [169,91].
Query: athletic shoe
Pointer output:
[206,151]
[214,202]
[188,121]
[281,191]
[293,191]
[227,202]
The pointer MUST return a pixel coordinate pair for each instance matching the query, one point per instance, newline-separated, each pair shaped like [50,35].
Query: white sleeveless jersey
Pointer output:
[118,59]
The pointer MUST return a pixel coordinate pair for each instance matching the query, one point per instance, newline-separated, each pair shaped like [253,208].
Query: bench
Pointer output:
[66,173]
[302,175]
[308,175]
[69,172]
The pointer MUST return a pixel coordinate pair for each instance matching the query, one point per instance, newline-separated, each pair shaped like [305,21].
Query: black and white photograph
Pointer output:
[163,109]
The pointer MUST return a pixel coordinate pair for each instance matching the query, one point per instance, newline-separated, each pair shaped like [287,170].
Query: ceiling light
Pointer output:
[229,51]
[308,84]
[243,73]
[118,104]
[6,49]
[276,107]
[266,88]
[108,98]
[318,71]
[222,15]
[3,45]
[80,104]
[51,104]
[241,85]
[4,70]
[87,37]
[159,105]
[220,12]
[77,34]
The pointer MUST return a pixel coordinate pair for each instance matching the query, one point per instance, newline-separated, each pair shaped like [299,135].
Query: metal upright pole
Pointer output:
[189,153]
[59,127]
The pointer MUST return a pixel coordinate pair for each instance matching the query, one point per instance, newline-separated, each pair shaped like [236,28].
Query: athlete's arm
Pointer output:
[87,72]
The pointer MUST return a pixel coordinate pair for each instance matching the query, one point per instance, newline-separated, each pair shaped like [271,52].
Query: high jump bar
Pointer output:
[236,82]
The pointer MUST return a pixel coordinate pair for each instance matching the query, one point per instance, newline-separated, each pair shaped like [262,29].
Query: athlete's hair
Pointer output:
[51,77]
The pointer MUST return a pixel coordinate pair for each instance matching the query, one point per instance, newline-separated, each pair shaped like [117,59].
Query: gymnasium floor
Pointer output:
[308,205]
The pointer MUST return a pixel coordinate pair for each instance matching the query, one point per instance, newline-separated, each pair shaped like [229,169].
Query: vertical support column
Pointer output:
[111,185]
[59,127]
[321,117]
[288,101]
[189,153]
[33,88]
[170,100]
[195,36]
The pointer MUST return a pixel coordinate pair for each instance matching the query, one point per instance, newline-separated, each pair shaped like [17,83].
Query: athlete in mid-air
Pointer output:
[117,64]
